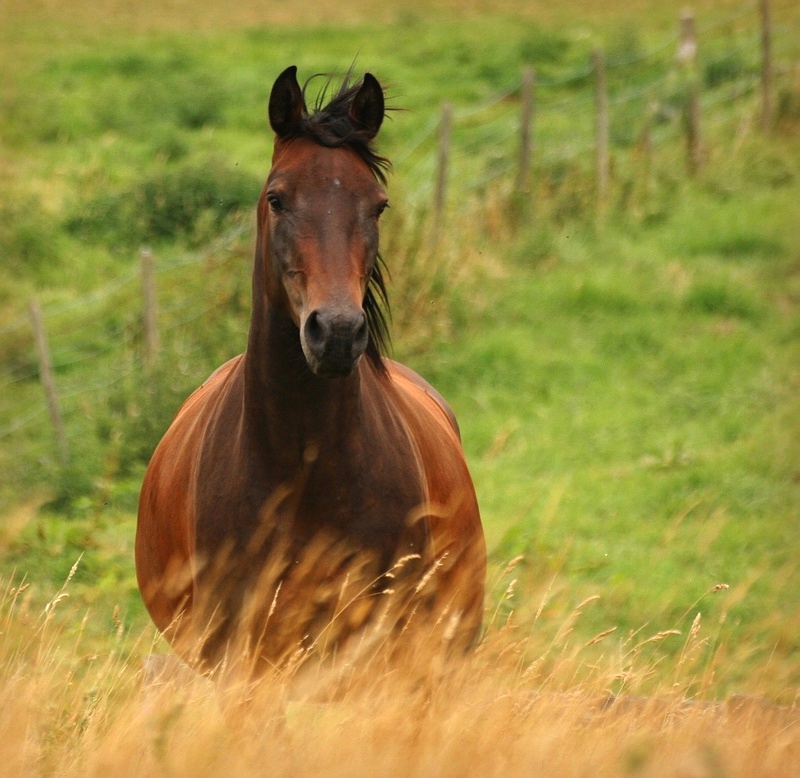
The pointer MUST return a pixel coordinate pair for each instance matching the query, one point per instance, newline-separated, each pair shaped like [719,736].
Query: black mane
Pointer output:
[330,125]
[376,309]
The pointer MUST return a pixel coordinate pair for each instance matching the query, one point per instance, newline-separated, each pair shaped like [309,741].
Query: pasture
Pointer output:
[626,381]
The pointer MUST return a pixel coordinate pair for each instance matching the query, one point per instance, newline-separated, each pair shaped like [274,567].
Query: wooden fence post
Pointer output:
[526,131]
[601,126]
[766,65]
[440,196]
[687,59]
[647,147]
[643,156]
[149,308]
[48,381]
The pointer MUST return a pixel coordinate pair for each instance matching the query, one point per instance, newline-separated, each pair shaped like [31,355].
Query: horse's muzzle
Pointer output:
[334,340]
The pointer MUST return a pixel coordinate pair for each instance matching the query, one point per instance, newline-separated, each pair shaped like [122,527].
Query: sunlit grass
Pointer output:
[528,699]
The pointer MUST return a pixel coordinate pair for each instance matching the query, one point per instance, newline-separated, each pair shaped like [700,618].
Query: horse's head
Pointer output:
[318,220]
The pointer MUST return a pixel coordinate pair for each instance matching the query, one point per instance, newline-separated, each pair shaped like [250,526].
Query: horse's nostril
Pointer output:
[315,330]
[361,335]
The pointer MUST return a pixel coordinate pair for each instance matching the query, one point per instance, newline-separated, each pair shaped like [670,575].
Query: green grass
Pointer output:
[630,411]
[626,384]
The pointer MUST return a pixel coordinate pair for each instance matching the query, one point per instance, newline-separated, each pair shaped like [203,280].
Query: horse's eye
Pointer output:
[275,203]
[381,208]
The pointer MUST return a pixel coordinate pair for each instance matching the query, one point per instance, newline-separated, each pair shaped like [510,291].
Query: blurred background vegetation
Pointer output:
[625,372]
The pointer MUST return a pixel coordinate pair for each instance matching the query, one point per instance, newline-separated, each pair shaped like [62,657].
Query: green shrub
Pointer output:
[542,46]
[173,202]
[721,299]
[727,67]
[28,237]
[131,93]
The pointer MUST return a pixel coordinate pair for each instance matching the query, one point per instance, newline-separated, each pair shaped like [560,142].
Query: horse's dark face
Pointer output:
[321,208]
[319,216]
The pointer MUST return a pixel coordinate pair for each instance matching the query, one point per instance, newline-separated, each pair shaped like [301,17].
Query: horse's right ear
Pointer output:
[286,104]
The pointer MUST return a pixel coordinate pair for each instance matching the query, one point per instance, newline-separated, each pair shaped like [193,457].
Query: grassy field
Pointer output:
[627,383]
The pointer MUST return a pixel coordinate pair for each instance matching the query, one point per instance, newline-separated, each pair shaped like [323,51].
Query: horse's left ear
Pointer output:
[367,108]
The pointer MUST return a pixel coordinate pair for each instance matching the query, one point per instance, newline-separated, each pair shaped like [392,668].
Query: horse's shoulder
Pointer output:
[213,383]
[223,370]
[186,432]
[406,377]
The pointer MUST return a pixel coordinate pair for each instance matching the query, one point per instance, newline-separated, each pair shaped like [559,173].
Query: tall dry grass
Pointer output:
[526,702]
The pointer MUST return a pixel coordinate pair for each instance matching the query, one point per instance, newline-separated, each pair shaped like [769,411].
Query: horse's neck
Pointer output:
[285,405]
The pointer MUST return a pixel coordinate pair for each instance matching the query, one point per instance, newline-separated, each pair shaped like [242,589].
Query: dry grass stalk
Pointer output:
[64,713]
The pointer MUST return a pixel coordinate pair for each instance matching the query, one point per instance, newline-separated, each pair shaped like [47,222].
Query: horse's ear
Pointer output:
[367,108]
[286,104]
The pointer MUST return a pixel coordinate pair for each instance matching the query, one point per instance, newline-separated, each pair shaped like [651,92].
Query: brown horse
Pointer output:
[304,494]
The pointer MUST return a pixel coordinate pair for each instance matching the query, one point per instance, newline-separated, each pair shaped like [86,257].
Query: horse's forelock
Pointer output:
[329,124]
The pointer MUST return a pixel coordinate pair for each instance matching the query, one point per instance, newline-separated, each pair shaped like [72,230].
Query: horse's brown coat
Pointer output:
[300,474]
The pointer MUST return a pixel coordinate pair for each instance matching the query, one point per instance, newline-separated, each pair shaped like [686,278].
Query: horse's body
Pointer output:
[304,493]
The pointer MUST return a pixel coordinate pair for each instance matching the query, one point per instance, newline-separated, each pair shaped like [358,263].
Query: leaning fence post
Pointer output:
[440,196]
[526,130]
[766,66]
[149,308]
[48,381]
[601,126]
[687,55]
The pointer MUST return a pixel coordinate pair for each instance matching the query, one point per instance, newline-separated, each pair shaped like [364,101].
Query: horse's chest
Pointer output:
[376,505]
[366,500]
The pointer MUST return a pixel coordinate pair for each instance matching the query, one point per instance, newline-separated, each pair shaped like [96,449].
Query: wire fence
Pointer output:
[95,342]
